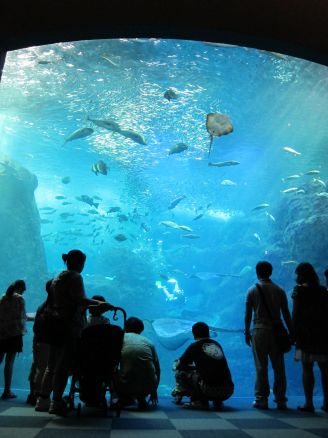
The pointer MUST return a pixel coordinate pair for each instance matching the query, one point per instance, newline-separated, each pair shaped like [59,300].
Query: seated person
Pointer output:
[202,372]
[95,314]
[139,372]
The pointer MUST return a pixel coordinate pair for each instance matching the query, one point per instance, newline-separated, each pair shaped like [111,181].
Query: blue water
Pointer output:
[273,102]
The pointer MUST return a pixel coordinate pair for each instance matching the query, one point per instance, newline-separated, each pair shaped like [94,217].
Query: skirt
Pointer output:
[12,345]
[302,356]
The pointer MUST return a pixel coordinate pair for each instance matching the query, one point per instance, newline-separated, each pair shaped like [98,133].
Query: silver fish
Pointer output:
[224,163]
[79,133]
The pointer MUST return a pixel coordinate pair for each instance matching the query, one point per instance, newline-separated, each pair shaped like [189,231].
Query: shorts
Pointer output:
[12,345]
[303,356]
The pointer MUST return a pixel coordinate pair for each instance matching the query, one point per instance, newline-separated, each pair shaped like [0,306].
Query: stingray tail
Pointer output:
[211,142]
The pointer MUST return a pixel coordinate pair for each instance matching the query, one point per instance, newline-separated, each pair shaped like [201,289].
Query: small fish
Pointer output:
[45,221]
[178,148]
[170,94]
[100,167]
[65,215]
[257,237]
[47,208]
[270,216]
[93,211]
[169,224]
[290,190]
[198,217]
[300,191]
[113,209]
[43,62]
[312,172]
[260,207]
[185,228]
[290,177]
[60,197]
[191,236]
[224,163]
[291,150]
[66,180]
[132,135]
[66,203]
[122,217]
[108,124]
[79,133]
[145,227]
[228,182]
[289,262]
[114,64]
[87,200]
[322,194]
[175,202]
[120,237]
[319,182]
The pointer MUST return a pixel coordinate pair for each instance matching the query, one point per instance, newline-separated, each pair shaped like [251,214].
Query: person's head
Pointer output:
[305,274]
[263,270]
[134,325]
[200,330]
[74,260]
[18,287]
[94,311]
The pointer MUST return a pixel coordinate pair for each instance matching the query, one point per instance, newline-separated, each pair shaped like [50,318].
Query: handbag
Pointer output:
[279,330]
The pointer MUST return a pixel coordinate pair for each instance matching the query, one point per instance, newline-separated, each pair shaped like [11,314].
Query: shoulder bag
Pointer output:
[279,330]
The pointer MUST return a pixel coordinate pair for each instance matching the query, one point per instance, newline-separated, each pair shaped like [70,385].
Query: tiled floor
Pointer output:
[238,419]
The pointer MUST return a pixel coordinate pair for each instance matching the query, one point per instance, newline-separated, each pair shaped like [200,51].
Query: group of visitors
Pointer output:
[201,373]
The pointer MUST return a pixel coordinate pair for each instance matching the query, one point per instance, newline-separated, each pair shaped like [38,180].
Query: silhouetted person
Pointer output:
[202,372]
[263,341]
[310,327]
[70,302]
[96,314]
[12,329]
[139,372]
[41,349]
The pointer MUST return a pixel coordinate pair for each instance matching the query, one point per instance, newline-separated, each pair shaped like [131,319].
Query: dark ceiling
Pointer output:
[295,27]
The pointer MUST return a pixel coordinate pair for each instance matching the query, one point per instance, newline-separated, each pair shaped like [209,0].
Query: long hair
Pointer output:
[306,274]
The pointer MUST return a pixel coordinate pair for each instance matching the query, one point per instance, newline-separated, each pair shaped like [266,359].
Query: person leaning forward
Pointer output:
[262,340]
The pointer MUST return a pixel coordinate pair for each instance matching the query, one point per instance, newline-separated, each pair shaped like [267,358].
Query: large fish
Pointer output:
[170,94]
[176,149]
[169,224]
[88,200]
[175,202]
[79,133]
[108,124]
[205,276]
[132,135]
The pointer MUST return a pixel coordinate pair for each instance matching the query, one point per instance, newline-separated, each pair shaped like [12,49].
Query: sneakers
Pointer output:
[282,406]
[31,399]
[58,408]
[8,395]
[260,404]
[42,404]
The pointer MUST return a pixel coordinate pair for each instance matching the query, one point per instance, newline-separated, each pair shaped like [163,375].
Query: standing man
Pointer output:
[262,340]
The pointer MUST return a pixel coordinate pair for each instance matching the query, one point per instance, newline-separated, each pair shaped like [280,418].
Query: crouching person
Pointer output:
[139,372]
[202,372]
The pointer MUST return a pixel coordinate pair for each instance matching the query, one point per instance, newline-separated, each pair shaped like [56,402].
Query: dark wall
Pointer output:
[295,27]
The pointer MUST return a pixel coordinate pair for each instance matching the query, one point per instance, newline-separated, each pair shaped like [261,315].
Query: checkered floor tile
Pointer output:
[238,419]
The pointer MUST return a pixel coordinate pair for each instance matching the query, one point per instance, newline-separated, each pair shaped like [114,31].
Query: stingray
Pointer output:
[172,333]
[217,124]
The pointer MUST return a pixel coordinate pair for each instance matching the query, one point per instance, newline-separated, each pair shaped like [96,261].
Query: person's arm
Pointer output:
[186,360]
[156,364]
[248,320]
[285,312]
[78,295]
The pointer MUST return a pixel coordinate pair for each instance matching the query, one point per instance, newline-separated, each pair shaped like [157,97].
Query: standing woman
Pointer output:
[70,301]
[12,329]
[310,329]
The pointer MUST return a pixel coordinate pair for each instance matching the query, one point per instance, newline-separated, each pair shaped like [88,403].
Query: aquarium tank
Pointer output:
[175,166]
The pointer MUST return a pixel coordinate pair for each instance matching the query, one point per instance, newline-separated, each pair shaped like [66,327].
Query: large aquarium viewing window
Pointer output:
[175,166]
